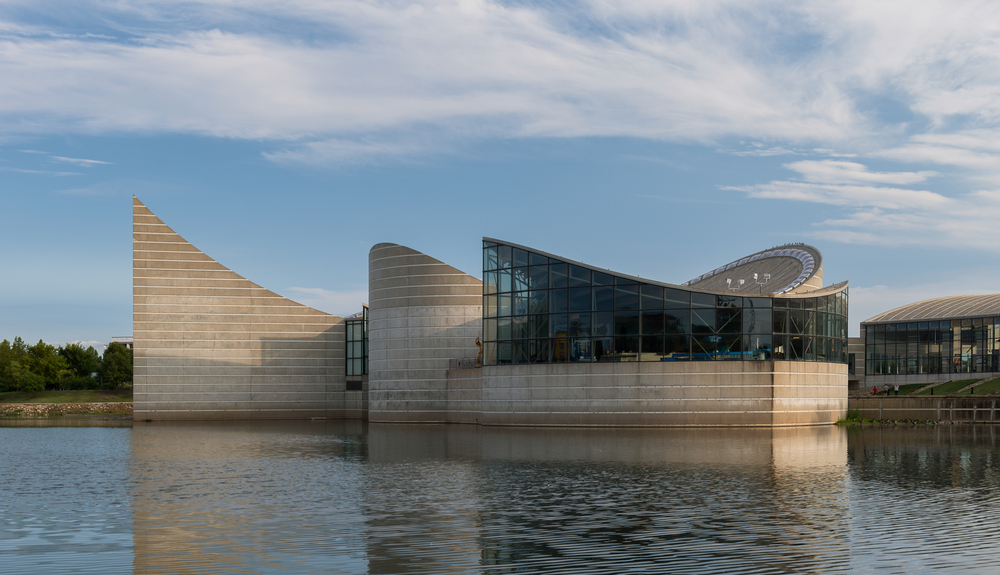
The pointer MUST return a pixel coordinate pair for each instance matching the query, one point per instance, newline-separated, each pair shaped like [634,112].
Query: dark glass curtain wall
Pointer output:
[538,309]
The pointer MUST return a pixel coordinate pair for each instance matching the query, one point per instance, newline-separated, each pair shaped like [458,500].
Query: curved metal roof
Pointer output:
[748,288]
[790,266]
[956,306]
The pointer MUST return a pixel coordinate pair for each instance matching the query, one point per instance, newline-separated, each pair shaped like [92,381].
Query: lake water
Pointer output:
[342,497]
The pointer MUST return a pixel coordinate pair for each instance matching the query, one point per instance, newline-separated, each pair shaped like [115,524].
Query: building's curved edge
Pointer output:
[423,313]
[210,344]
[948,307]
[809,278]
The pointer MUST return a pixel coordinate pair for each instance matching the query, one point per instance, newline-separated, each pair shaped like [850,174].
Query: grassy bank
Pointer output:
[83,396]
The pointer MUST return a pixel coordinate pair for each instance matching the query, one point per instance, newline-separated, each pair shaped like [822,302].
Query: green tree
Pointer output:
[82,362]
[116,367]
[44,361]
[32,383]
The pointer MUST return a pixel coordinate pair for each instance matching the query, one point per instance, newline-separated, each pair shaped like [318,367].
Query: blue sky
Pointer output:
[659,139]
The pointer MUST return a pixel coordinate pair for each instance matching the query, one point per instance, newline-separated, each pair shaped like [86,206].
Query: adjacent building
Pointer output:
[941,339]
[540,340]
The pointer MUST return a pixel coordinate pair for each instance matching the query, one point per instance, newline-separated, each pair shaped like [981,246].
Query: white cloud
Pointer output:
[340,303]
[839,172]
[79,161]
[845,195]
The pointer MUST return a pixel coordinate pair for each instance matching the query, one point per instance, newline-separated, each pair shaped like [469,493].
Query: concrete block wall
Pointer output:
[209,344]
[465,395]
[421,313]
[717,393]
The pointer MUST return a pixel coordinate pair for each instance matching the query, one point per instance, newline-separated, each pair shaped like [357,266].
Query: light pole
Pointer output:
[767,277]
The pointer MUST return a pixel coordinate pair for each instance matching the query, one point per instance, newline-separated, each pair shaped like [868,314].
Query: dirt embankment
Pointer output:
[58,409]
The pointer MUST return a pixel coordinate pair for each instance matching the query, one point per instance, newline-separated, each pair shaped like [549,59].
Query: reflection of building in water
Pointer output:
[757,342]
[248,497]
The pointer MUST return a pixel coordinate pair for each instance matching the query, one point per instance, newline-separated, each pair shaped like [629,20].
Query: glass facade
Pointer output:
[538,309]
[357,344]
[970,345]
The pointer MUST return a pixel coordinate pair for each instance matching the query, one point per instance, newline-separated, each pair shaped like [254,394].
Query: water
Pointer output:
[340,497]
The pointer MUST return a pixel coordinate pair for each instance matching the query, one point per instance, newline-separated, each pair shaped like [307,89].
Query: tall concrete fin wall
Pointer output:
[421,314]
[209,344]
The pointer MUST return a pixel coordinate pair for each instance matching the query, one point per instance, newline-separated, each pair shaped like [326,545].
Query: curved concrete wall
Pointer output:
[210,344]
[421,314]
[707,393]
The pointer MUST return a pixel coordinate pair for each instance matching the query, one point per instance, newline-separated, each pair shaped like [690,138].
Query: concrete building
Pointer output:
[757,342]
[941,339]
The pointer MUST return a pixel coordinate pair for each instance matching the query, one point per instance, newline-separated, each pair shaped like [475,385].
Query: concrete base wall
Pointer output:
[465,394]
[970,409]
[750,393]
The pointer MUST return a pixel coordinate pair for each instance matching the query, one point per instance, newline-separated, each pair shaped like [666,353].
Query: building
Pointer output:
[941,339]
[757,342]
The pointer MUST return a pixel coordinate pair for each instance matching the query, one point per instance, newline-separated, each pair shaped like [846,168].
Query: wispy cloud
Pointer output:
[79,161]
[39,172]
[841,172]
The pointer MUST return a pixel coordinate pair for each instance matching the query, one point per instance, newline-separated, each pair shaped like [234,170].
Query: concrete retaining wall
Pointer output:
[721,393]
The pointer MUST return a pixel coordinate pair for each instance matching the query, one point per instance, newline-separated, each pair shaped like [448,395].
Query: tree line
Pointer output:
[34,368]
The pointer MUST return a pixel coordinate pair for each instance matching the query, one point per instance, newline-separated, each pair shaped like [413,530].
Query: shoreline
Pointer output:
[117,410]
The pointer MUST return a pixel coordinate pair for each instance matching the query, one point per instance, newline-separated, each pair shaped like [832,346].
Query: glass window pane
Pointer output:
[728,320]
[538,301]
[503,352]
[603,324]
[780,346]
[537,259]
[519,327]
[676,298]
[538,351]
[558,325]
[757,302]
[781,321]
[580,350]
[759,346]
[490,306]
[489,353]
[677,321]
[703,347]
[538,277]
[626,297]
[503,277]
[503,328]
[503,304]
[558,275]
[627,348]
[558,300]
[677,347]
[627,322]
[728,301]
[538,326]
[651,296]
[652,348]
[489,329]
[604,349]
[560,349]
[579,324]
[604,298]
[578,276]
[703,321]
[490,259]
[702,300]
[602,279]
[520,303]
[757,320]
[520,352]
[520,279]
[579,299]
[504,256]
[520,257]
[730,347]
[490,283]
[652,323]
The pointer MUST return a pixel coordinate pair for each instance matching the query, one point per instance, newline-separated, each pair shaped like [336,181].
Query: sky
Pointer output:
[654,138]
